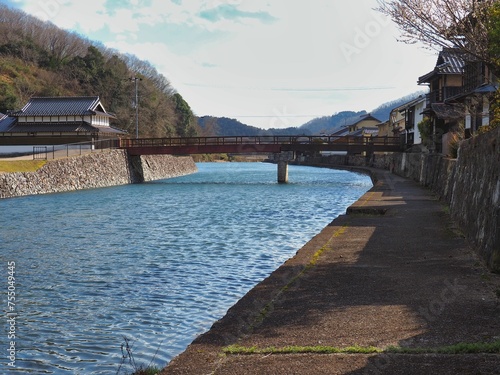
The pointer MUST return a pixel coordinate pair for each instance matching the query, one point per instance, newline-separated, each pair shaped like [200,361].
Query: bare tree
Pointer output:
[461,24]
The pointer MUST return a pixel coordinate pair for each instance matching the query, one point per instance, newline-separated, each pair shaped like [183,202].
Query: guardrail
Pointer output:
[259,140]
[73,149]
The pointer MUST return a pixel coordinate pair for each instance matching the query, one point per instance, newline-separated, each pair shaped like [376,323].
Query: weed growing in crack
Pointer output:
[129,360]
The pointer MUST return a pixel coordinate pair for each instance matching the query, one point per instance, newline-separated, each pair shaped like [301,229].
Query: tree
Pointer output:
[462,24]
[494,33]
[185,123]
[8,100]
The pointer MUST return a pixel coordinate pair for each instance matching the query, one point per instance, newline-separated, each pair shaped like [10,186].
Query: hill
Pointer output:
[222,126]
[329,124]
[39,59]
[383,111]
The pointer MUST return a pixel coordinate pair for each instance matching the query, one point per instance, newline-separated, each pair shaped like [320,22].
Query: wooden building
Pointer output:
[58,120]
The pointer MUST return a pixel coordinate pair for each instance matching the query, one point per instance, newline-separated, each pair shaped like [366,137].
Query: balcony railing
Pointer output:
[441,95]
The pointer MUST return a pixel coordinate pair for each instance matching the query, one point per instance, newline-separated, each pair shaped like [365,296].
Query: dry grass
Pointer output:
[9,166]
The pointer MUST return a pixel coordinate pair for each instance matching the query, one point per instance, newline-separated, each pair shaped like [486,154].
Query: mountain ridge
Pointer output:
[223,126]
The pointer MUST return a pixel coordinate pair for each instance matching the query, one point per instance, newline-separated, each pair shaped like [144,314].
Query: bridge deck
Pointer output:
[259,144]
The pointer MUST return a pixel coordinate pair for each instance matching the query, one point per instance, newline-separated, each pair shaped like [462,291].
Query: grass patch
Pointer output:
[461,348]
[265,311]
[236,349]
[147,371]
[10,166]
[129,359]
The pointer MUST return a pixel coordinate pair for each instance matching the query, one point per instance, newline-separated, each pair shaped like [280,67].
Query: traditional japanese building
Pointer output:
[404,120]
[58,120]
[445,83]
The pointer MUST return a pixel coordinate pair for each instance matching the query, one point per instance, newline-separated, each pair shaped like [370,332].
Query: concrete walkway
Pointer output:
[393,272]
[57,154]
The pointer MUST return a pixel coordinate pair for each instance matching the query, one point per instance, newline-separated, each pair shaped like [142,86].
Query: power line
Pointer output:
[293,89]
[277,116]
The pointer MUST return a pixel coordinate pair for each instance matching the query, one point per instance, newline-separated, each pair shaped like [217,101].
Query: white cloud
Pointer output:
[257,57]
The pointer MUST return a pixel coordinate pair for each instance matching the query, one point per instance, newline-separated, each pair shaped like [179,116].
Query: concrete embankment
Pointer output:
[391,288]
[96,170]
[469,185]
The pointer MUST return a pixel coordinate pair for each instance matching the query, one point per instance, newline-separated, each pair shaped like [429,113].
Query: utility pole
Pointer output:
[135,79]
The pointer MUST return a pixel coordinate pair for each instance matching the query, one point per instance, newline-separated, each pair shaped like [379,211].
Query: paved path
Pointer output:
[394,272]
[58,154]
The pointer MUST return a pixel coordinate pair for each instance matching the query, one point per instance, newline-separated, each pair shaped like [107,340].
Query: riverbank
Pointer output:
[394,283]
[94,170]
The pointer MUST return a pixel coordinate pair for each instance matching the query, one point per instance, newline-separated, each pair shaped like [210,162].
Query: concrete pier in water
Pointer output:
[282,159]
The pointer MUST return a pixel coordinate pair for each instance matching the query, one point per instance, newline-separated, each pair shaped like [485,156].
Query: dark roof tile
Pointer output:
[6,123]
[448,111]
[356,120]
[449,61]
[60,106]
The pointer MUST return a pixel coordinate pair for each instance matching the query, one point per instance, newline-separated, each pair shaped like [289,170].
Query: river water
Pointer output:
[154,263]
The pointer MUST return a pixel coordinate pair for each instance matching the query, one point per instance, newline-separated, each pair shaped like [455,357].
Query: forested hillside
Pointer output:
[329,124]
[383,111]
[223,126]
[39,59]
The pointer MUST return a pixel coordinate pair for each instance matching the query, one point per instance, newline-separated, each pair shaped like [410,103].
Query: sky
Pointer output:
[266,63]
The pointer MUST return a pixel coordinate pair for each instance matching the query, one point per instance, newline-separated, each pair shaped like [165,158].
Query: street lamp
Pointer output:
[135,79]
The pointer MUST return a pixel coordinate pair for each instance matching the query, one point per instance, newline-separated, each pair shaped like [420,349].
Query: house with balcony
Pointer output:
[361,122]
[404,120]
[58,120]
[445,83]
[479,87]
[361,126]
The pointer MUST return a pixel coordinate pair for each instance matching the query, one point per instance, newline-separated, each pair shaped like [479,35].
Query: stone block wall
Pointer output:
[475,202]
[158,167]
[470,185]
[96,170]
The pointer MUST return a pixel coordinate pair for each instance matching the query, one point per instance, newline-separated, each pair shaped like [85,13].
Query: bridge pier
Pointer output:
[282,172]
[282,159]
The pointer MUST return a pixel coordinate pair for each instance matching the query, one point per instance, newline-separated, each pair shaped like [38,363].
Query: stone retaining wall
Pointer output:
[470,185]
[96,170]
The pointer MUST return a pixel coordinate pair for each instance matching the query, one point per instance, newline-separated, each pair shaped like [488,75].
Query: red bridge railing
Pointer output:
[262,144]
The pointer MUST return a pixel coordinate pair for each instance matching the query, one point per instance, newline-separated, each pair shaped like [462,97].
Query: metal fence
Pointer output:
[73,149]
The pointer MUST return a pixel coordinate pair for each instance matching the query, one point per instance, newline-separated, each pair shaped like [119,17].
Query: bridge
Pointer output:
[283,145]
[260,144]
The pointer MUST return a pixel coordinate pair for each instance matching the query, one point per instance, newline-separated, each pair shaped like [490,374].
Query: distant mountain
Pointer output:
[223,126]
[329,124]
[383,111]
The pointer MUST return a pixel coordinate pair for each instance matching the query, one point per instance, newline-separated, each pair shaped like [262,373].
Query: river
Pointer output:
[154,263]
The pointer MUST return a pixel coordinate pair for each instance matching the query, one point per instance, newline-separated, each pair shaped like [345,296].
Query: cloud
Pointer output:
[231,12]
[255,57]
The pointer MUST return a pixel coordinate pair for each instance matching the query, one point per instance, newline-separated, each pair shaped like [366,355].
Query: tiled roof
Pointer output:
[410,104]
[357,120]
[341,132]
[61,106]
[449,62]
[448,111]
[6,122]
[364,131]
[356,133]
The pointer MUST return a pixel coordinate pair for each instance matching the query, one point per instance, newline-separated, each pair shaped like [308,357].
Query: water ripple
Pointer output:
[157,263]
